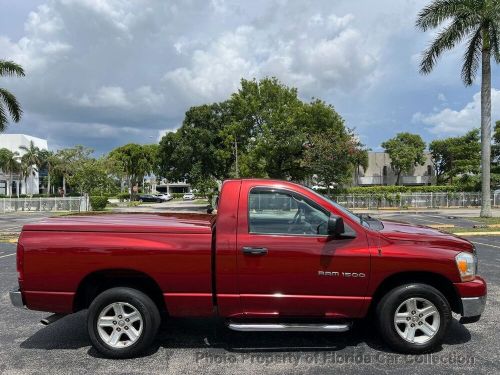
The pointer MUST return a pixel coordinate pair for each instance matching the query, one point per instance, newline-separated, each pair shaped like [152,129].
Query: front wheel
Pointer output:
[122,322]
[413,318]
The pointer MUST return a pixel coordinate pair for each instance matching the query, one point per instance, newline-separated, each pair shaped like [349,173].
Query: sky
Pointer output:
[103,73]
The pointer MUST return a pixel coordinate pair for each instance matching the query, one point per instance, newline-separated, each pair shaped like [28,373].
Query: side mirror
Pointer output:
[335,226]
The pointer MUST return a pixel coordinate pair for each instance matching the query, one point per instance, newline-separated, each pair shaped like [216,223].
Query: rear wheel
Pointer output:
[413,318]
[122,322]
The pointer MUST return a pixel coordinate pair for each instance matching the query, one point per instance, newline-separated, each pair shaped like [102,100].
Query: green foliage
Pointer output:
[123,196]
[406,151]
[8,102]
[456,156]
[398,189]
[98,202]
[475,22]
[92,177]
[264,124]
[134,161]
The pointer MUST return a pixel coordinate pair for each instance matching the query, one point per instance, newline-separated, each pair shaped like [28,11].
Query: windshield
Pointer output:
[342,209]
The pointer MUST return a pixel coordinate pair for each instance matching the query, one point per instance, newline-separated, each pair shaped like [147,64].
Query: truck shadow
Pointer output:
[203,334]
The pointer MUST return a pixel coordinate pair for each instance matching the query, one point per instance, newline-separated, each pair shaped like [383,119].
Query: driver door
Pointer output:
[284,252]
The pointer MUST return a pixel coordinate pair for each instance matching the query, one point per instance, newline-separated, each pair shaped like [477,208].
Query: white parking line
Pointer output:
[485,244]
[8,255]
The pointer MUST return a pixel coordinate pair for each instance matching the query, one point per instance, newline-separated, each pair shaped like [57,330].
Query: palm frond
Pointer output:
[472,57]
[446,40]
[494,32]
[439,11]
[12,104]
[3,118]
[10,68]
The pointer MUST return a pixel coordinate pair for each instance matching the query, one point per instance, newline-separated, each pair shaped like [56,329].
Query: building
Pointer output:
[380,172]
[19,185]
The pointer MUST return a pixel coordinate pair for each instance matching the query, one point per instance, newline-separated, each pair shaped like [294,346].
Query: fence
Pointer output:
[414,200]
[71,204]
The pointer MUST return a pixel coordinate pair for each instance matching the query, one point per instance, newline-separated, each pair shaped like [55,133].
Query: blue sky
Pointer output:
[107,72]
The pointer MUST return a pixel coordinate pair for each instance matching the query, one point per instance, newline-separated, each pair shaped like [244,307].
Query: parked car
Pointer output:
[149,198]
[283,258]
[188,197]
[165,197]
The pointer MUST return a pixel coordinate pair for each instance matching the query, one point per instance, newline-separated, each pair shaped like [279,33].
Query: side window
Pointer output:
[277,212]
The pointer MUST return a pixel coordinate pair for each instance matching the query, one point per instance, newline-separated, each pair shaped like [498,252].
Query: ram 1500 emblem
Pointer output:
[341,274]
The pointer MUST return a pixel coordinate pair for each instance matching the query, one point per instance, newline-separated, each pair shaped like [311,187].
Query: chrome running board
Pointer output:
[288,327]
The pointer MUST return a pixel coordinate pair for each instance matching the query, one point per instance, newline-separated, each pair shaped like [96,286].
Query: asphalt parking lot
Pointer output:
[194,346]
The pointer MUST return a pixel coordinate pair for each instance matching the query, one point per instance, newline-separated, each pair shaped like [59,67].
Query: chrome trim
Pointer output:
[16,298]
[258,327]
[473,306]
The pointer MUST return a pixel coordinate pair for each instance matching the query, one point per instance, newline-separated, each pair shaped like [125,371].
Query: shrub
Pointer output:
[123,196]
[98,202]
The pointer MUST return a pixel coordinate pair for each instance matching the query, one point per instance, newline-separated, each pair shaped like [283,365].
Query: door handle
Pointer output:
[254,250]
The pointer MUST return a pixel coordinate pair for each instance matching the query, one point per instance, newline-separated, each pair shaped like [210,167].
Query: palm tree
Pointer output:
[48,161]
[9,162]
[31,159]
[8,102]
[477,22]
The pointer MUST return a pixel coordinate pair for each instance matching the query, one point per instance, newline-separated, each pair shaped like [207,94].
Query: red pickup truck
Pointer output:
[277,256]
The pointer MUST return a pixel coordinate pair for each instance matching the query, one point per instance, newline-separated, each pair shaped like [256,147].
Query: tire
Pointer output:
[117,337]
[423,316]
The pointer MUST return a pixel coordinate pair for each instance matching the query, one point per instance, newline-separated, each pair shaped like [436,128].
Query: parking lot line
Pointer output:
[8,255]
[485,244]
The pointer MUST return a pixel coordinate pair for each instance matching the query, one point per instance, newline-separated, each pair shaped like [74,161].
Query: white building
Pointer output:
[12,142]
[380,172]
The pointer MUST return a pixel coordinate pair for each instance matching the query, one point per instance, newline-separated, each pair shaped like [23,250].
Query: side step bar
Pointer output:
[288,327]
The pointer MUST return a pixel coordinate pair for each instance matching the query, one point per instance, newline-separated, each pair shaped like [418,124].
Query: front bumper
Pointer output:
[473,306]
[16,298]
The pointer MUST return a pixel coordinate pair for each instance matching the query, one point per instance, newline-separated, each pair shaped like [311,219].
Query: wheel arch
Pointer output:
[98,281]
[436,280]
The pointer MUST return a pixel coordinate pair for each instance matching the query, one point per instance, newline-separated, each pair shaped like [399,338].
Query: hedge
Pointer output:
[98,202]
[398,189]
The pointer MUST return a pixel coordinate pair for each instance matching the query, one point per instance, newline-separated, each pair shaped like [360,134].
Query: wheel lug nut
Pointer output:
[127,320]
[114,321]
[408,318]
[413,324]
[420,323]
[118,329]
[420,315]
[119,316]
[413,312]
[126,327]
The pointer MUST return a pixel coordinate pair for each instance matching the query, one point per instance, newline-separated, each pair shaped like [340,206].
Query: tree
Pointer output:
[265,116]
[456,156]
[261,131]
[200,149]
[8,102]
[31,163]
[134,161]
[48,161]
[9,163]
[92,177]
[68,159]
[406,151]
[477,22]
[332,156]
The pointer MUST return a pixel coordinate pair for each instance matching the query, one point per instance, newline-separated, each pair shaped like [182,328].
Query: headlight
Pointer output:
[467,266]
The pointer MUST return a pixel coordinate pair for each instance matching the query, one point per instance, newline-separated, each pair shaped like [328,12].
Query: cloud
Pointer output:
[319,53]
[451,122]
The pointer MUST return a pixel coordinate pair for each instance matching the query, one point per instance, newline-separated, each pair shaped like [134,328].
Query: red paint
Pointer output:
[175,251]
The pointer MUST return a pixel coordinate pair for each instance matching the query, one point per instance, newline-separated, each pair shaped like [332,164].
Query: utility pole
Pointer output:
[236,157]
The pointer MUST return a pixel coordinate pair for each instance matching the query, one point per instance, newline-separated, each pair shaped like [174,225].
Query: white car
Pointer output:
[188,197]
[165,197]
